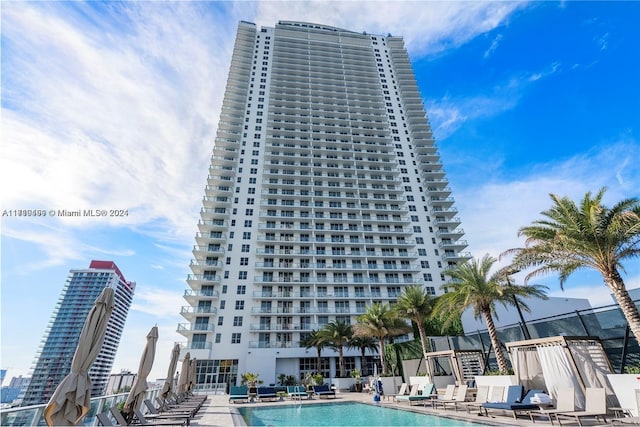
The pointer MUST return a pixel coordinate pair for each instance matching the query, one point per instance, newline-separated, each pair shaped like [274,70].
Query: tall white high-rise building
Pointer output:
[53,361]
[325,195]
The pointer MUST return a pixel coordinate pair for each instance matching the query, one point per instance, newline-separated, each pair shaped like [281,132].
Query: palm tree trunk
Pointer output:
[629,309]
[423,341]
[382,357]
[495,341]
[343,371]
[319,361]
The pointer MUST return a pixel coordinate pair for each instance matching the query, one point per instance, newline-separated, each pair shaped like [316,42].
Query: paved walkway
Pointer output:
[218,412]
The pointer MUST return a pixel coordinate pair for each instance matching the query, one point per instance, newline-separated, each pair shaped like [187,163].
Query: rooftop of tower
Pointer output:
[310,25]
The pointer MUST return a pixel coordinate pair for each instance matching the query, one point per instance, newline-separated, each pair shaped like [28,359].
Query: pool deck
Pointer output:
[217,411]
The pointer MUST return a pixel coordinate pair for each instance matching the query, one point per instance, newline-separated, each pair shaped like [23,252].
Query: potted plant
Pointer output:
[252,380]
[355,374]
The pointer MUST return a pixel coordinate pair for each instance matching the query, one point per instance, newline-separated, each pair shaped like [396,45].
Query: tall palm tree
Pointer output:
[473,286]
[315,340]
[336,335]
[590,235]
[416,304]
[363,344]
[380,322]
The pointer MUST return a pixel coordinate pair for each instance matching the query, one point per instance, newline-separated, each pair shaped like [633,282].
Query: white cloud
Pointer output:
[508,205]
[157,302]
[494,45]
[427,27]
[449,113]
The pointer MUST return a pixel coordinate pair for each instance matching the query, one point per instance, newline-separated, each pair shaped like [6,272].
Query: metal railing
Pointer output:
[34,415]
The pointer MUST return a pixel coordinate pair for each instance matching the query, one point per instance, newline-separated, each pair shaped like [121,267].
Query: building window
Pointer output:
[246,248]
[241,290]
[239,305]
[237,320]
[242,275]
[220,320]
[235,338]
[218,337]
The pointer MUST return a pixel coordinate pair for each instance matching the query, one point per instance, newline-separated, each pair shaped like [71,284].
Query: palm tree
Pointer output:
[590,235]
[415,304]
[363,344]
[336,334]
[314,339]
[380,322]
[472,286]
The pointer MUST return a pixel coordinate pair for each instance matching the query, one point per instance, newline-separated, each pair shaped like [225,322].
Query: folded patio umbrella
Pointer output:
[183,382]
[71,400]
[139,388]
[173,363]
[192,374]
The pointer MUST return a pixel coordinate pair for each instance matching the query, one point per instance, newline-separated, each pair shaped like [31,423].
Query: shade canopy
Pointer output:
[139,388]
[168,385]
[70,401]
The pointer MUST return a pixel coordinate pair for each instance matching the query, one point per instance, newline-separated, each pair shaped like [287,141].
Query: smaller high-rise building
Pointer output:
[53,361]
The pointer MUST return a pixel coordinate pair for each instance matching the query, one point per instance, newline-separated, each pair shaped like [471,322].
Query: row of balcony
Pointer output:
[335,280]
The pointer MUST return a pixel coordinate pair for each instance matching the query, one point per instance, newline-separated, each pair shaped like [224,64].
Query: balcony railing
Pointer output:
[34,415]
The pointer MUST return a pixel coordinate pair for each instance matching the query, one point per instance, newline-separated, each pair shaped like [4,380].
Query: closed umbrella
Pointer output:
[70,401]
[139,388]
[173,363]
[192,374]
[183,382]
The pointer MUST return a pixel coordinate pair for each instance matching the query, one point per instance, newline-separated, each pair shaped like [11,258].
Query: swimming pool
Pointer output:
[341,414]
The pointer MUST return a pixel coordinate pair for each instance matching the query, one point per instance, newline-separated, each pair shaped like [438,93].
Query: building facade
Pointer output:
[325,194]
[53,361]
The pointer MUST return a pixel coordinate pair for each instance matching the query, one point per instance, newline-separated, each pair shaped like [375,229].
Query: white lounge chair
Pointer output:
[401,392]
[595,406]
[482,395]
[460,397]
[565,402]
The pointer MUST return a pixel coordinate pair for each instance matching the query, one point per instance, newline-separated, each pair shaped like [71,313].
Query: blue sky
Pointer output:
[110,105]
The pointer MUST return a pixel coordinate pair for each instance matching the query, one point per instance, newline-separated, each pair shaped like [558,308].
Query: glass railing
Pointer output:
[34,415]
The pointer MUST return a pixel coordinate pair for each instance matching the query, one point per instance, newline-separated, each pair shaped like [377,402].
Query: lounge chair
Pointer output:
[630,419]
[297,391]
[238,393]
[482,396]
[428,391]
[524,404]
[448,394]
[117,415]
[565,402]
[323,390]
[104,420]
[266,393]
[514,395]
[154,412]
[401,392]
[460,397]
[160,421]
[369,387]
[595,406]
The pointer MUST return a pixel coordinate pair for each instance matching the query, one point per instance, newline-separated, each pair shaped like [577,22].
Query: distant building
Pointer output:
[15,390]
[120,383]
[53,361]
[539,308]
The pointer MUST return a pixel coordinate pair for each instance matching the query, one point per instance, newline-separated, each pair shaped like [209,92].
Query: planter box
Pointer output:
[625,386]
[496,380]
[343,384]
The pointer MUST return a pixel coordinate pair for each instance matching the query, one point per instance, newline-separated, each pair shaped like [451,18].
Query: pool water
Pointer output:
[341,414]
